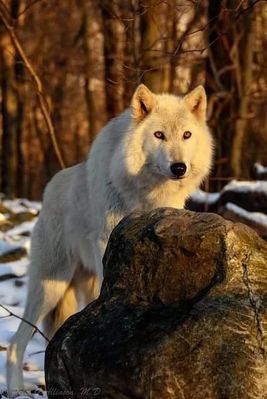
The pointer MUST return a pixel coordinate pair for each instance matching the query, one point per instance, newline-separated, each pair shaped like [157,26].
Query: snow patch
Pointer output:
[22,205]
[255,217]
[204,197]
[6,248]
[260,169]
[13,284]
[18,268]
[23,228]
[246,186]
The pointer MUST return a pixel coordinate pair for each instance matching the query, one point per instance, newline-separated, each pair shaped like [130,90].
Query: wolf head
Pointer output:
[170,135]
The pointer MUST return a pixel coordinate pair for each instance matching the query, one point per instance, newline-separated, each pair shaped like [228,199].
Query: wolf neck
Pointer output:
[149,196]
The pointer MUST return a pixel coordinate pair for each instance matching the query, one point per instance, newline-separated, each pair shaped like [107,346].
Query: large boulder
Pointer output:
[182,314]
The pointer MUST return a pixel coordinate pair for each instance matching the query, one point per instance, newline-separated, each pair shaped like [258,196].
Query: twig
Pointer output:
[248,8]
[27,8]
[25,321]
[4,9]
[38,84]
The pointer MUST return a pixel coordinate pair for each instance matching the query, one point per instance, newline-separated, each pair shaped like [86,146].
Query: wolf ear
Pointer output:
[196,101]
[142,103]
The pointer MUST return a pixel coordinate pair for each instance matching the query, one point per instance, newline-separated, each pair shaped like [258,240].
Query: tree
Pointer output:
[113,34]
[12,109]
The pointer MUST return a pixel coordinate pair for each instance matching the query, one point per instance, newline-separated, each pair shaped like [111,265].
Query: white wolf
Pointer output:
[153,155]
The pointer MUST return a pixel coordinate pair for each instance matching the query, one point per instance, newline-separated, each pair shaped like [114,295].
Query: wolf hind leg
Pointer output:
[87,285]
[83,289]
[67,306]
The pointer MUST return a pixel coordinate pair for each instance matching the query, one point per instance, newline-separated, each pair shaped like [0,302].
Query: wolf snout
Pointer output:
[178,169]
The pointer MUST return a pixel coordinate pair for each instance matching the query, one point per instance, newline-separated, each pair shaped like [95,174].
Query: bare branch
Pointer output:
[4,10]
[248,8]
[25,321]
[28,7]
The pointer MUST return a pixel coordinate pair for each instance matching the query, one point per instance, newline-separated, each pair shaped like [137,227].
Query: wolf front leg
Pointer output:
[50,274]
[42,298]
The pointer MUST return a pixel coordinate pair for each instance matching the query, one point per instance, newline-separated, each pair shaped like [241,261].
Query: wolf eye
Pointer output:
[159,135]
[187,135]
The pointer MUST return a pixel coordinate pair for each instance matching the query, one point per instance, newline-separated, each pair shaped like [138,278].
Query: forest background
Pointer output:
[67,67]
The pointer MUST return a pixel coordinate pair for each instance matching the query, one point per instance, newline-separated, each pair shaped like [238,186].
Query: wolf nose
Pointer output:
[178,169]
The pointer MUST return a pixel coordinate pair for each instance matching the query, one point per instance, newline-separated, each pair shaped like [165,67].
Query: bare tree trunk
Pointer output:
[11,112]
[114,56]
[92,40]
[17,6]
[167,44]
[244,100]
[171,46]
[9,124]
[131,16]
[151,44]
[221,87]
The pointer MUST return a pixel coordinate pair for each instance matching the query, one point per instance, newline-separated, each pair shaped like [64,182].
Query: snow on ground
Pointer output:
[256,217]
[14,243]
[246,186]
[7,248]
[22,205]
[260,169]
[204,197]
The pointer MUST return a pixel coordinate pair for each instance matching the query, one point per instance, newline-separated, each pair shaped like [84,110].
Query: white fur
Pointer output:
[128,168]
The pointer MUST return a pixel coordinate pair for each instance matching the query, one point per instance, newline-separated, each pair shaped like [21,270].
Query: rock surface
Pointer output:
[182,314]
